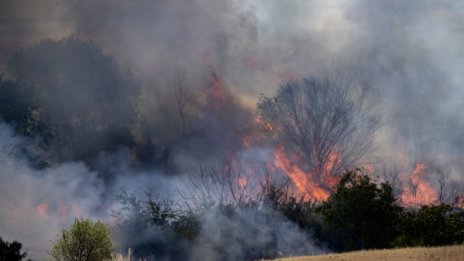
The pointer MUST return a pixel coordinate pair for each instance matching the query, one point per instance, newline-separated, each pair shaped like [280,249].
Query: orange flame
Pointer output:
[419,192]
[242,182]
[306,187]
[42,210]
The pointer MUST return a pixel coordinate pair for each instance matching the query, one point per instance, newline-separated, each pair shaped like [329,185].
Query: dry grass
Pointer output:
[451,253]
[119,257]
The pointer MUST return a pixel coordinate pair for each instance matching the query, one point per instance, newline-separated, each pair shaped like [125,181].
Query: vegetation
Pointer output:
[73,102]
[431,226]
[358,212]
[403,254]
[323,120]
[11,251]
[84,241]
[352,218]
[71,96]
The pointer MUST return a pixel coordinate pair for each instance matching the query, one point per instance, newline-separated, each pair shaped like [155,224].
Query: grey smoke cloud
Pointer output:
[412,50]
[37,204]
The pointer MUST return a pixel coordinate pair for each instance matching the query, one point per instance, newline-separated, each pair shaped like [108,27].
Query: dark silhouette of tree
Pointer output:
[11,251]
[19,108]
[327,121]
[431,226]
[86,101]
[360,214]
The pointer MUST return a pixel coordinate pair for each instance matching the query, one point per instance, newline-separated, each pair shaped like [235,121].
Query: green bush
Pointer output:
[360,214]
[84,241]
[431,226]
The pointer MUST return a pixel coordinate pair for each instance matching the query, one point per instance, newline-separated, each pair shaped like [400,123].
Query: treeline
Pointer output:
[76,103]
[361,214]
[11,251]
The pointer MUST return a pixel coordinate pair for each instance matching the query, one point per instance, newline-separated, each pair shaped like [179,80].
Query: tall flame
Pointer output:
[418,191]
[305,185]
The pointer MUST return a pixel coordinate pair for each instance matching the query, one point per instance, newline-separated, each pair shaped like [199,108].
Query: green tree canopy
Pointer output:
[431,226]
[84,241]
[360,214]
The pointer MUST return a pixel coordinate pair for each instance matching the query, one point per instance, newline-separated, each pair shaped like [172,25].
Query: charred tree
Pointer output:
[327,121]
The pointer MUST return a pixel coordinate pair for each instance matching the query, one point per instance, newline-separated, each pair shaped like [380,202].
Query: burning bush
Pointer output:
[326,123]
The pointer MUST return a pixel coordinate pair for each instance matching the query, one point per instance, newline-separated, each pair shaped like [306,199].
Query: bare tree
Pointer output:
[442,177]
[326,121]
[392,177]
[220,182]
[186,105]
[448,192]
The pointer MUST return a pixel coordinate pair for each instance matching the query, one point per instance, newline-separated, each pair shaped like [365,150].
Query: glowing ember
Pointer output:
[42,210]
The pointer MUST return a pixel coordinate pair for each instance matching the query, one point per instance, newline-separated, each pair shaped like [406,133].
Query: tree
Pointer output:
[81,94]
[431,226]
[326,121]
[84,241]
[11,251]
[19,108]
[361,214]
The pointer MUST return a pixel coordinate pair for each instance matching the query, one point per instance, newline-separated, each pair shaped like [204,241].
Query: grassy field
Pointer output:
[405,254]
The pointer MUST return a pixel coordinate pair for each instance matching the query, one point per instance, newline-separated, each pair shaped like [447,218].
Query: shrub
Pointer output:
[361,214]
[84,241]
[11,251]
[431,226]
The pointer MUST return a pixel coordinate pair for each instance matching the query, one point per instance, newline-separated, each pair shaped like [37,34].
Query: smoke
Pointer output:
[411,51]
[250,234]
[37,204]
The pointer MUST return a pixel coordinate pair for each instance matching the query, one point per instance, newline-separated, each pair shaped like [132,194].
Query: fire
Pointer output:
[306,187]
[369,168]
[42,210]
[419,192]
[242,182]
[216,94]
[327,174]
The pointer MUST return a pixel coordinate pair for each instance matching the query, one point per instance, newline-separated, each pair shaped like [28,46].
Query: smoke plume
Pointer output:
[142,93]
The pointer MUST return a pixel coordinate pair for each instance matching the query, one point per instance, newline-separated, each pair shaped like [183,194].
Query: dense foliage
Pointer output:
[358,212]
[11,251]
[71,97]
[431,226]
[84,241]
